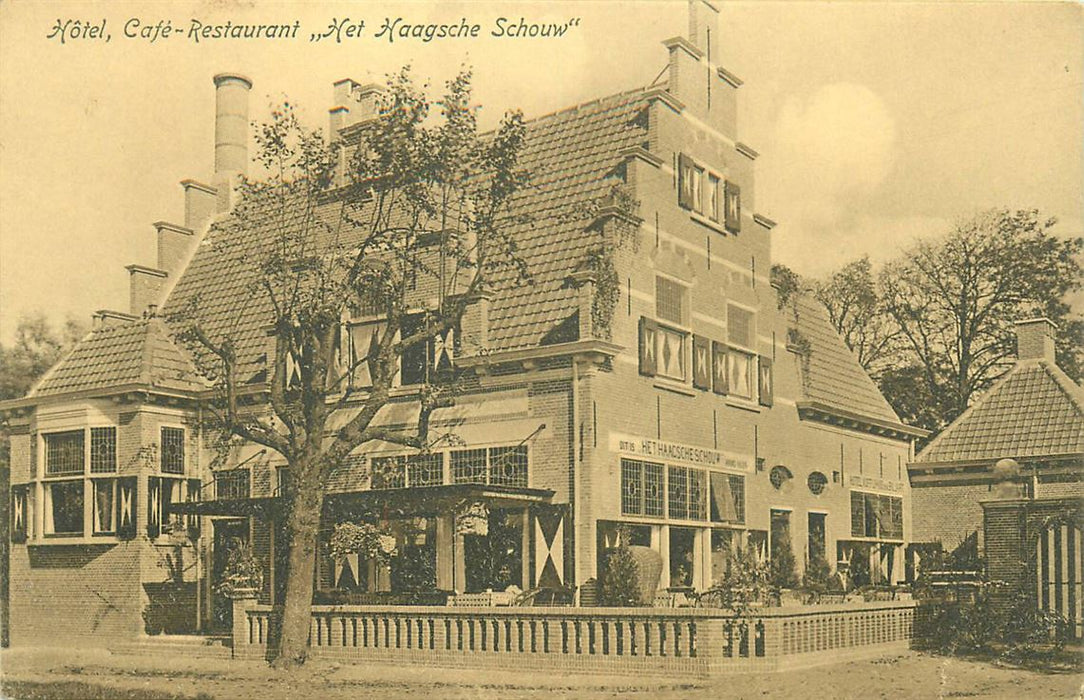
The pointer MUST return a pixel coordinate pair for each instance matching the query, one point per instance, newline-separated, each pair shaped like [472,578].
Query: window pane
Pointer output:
[508,466]
[173,450]
[426,470]
[653,489]
[103,450]
[858,514]
[713,198]
[103,506]
[669,300]
[632,487]
[469,466]
[741,374]
[64,453]
[698,195]
[698,490]
[232,485]
[65,513]
[679,493]
[389,472]
[415,359]
[671,354]
[739,326]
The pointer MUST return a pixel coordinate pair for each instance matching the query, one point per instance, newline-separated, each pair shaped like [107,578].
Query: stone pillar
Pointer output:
[445,552]
[244,600]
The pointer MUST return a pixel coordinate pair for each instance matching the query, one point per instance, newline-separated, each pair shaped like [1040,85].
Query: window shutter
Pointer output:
[701,362]
[765,373]
[732,202]
[718,367]
[154,506]
[685,183]
[19,513]
[192,495]
[126,507]
[648,336]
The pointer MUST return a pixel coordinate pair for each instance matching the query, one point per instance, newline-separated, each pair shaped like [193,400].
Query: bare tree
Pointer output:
[413,233]
[858,313]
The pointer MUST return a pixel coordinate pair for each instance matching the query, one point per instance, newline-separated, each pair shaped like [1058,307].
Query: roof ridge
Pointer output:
[574,108]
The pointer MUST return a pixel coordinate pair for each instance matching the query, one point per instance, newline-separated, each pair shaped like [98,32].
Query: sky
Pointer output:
[878,123]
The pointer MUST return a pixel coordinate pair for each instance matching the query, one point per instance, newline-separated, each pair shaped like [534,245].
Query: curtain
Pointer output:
[723,504]
[103,506]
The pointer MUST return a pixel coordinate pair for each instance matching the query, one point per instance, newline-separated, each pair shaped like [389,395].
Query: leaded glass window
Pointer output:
[469,466]
[426,470]
[679,493]
[739,326]
[389,472]
[103,450]
[173,450]
[64,453]
[508,466]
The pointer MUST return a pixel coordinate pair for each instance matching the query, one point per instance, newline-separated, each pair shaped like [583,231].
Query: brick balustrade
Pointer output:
[657,641]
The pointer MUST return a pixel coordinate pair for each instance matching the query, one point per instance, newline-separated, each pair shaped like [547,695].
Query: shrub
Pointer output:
[783,572]
[620,586]
[817,578]
[745,583]
[243,570]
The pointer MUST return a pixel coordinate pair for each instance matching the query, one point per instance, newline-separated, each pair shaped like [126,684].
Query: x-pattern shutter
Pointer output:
[732,204]
[192,495]
[718,367]
[765,373]
[154,506]
[126,507]
[19,513]
[685,182]
[701,362]
[648,359]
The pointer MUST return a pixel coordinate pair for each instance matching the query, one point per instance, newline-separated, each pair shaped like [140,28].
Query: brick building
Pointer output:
[705,412]
[1034,415]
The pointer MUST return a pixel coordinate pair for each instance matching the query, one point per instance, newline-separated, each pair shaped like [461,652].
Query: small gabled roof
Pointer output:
[138,352]
[1035,411]
[833,377]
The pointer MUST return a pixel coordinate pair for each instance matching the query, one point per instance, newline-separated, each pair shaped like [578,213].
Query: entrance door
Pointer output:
[227,535]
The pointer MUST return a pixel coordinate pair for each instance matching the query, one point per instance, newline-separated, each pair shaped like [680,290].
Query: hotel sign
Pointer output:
[677,453]
[858,481]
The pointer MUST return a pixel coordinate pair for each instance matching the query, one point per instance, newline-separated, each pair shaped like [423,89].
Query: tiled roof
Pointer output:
[137,352]
[1035,410]
[568,154]
[833,376]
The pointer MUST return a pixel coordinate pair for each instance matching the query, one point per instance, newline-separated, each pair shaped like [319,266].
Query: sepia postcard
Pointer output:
[602,348]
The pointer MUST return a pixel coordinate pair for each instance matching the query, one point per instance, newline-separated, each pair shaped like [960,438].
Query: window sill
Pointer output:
[744,404]
[708,223]
[674,386]
[59,540]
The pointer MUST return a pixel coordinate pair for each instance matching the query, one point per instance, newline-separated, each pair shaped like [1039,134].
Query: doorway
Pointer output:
[228,534]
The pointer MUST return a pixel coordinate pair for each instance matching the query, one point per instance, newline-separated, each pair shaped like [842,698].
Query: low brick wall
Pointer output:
[655,641]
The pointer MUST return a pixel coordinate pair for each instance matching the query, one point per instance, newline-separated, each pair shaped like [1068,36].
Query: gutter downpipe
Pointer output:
[574,491]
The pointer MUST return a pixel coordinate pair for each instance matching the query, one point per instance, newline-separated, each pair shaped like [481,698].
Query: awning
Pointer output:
[414,499]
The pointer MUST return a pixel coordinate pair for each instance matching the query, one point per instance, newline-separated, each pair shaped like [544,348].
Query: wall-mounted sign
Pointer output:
[858,481]
[677,453]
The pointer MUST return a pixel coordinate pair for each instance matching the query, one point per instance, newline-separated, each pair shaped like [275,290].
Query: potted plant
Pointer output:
[243,576]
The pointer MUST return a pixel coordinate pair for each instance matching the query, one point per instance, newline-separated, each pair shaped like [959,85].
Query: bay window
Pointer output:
[78,490]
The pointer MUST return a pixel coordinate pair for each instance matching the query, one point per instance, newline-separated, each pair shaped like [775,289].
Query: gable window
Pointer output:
[172,450]
[741,362]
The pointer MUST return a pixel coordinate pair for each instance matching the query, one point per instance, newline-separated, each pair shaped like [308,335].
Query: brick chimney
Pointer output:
[354,102]
[231,134]
[1035,339]
[146,284]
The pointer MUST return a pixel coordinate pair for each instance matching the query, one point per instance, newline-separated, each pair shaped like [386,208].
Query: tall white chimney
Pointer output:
[231,133]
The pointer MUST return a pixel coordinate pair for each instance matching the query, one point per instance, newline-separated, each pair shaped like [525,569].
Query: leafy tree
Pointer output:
[856,308]
[421,222]
[37,347]
[954,300]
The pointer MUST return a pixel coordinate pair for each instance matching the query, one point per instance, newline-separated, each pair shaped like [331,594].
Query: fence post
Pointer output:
[244,599]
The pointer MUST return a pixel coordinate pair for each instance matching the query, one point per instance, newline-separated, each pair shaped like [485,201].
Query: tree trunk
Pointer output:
[302,527]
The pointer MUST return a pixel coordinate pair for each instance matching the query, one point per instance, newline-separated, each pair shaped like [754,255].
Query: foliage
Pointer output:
[787,284]
[600,260]
[782,572]
[935,326]
[364,539]
[37,347]
[858,313]
[745,583]
[409,220]
[243,570]
[817,578]
[620,585]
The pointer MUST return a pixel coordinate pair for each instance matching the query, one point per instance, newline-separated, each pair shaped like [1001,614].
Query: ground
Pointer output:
[86,675]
